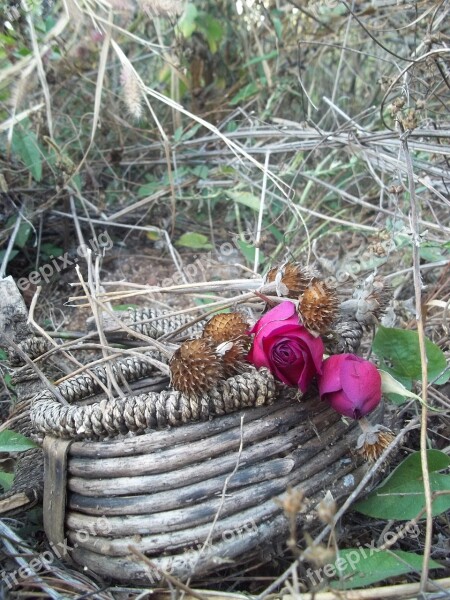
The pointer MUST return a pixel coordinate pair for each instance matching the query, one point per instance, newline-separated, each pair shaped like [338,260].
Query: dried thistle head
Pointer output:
[326,509]
[229,330]
[295,277]
[318,306]
[162,8]
[293,502]
[369,301]
[317,554]
[225,327]
[373,441]
[196,367]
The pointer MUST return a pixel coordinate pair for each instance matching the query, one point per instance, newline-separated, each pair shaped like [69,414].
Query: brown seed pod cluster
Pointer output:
[318,306]
[229,330]
[295,277]
[198,365]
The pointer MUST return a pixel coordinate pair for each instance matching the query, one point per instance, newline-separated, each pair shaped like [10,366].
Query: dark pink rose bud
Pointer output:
[285,347]
[350,384]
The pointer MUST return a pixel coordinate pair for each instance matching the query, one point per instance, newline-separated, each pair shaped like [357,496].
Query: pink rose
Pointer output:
[350,384]
[285,347]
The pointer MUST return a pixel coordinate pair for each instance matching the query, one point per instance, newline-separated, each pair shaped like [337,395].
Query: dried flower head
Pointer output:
[131,90]
[293,502]
[373,441]
[318,306]
[225,327]
[326,509]
[369,301]
[317,554]
[162,8]
[196,367]
[295,277]
[230,328]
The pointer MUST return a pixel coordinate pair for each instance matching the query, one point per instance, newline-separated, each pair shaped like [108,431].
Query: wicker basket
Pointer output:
[165,492]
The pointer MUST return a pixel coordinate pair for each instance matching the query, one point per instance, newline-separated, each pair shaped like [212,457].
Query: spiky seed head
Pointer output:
[295,277]
[196,367]
[372,444]
[226,326]
[318,306]
[230,327]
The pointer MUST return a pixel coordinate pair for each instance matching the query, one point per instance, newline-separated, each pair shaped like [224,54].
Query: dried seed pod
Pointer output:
[231,328]
[369,301]
[373,441]
[345,338]
[225,327]
[196,367]
[295,277]
[318,306]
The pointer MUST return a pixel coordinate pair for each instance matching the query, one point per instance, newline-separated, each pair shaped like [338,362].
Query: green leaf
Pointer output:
[246,92]
[148,189]
[400,349]
[211,28]
[245,198]
[257,59]
[198,241]
[6,480]
[25,145]
[200,171]
[12,255]
[401,496]
[50,250]
[249,252]
[122,307]
[433,252]
[22,234]
[186,23]
[360,567]
[10,441]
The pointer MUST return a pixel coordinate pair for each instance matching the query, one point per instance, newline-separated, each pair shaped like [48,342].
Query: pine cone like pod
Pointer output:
[225,327]
[318,306]
[382,295]
[369,301]
[295,277]
[196,367]
[346,337]
[232,328]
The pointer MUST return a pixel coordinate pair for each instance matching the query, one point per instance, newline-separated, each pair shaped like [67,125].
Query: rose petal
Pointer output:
[341,404]
[282,312]
[362,383]
[286,359]
[330,380]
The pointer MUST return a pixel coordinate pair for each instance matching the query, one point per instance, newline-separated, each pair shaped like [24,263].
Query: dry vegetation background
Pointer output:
[238,135]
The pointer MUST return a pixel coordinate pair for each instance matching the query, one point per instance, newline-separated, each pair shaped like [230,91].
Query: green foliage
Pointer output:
[362,567]
[25,144]
[196,241]
[249,252]
[10,441]
[248,91]
[401,495]
[244,198]
[398,351]
[6,480]
[193,20]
